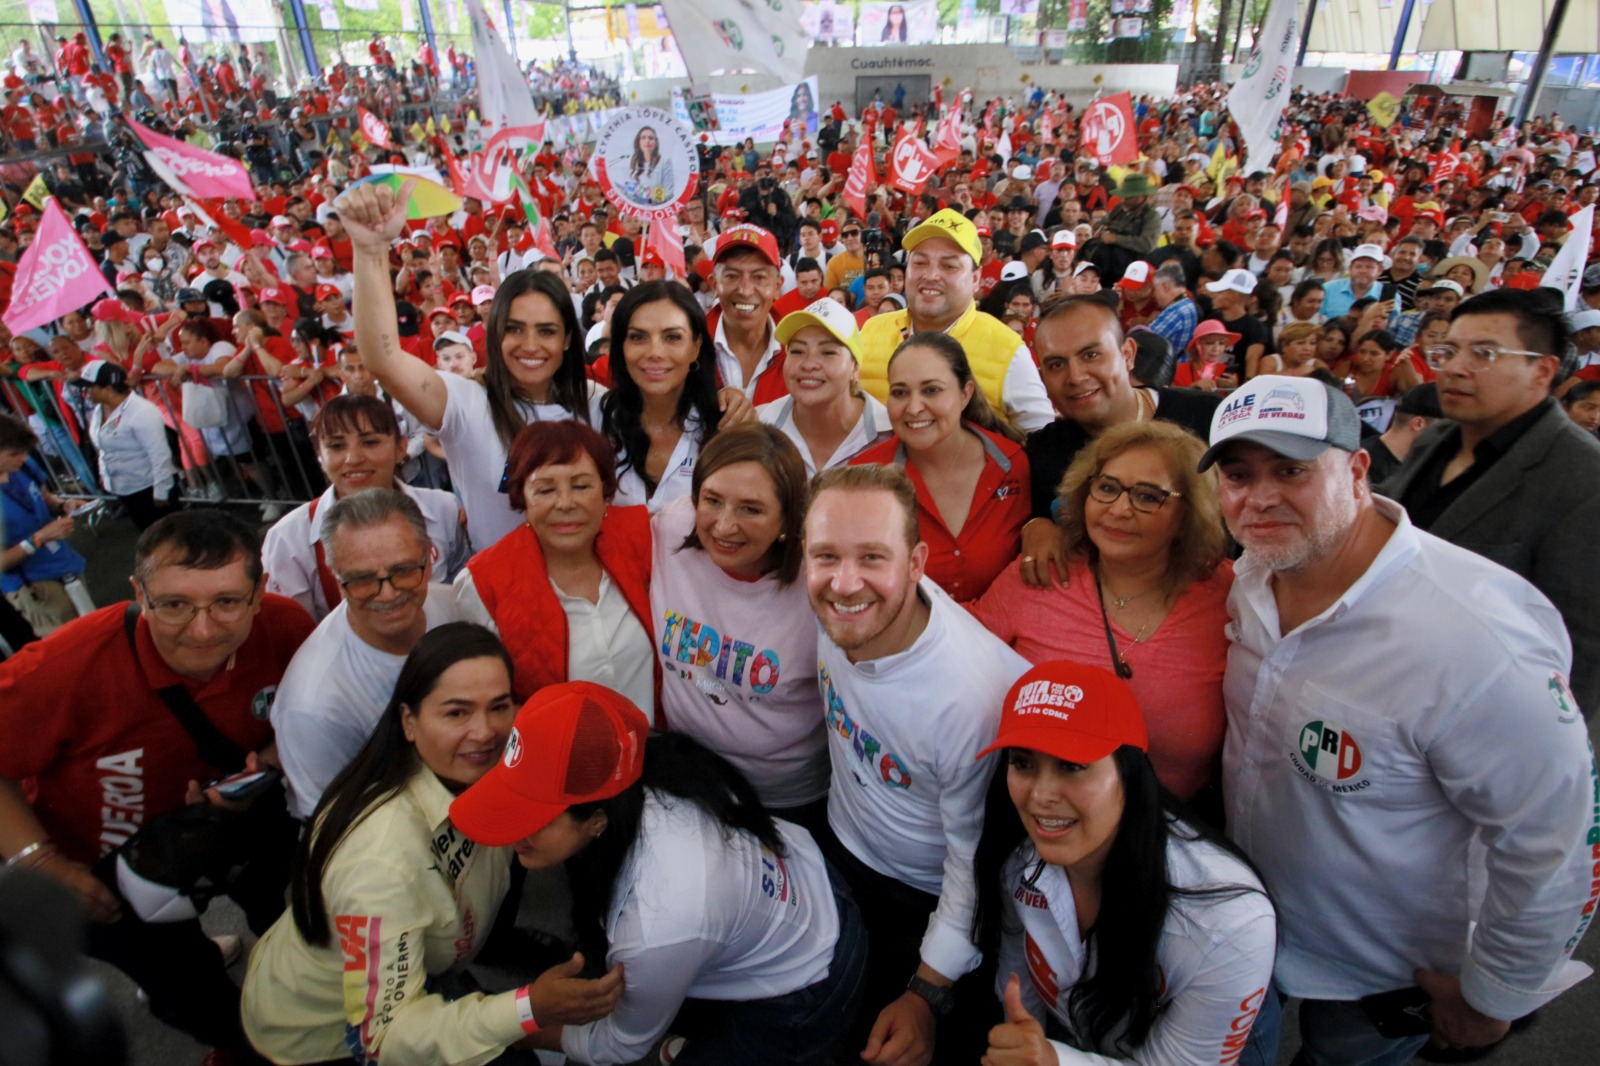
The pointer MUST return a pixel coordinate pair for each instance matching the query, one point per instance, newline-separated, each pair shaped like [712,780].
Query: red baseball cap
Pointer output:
[260,238]
[1078,713]
[112,309]
[830,229]
[652,256]
[272,296]
[321,251]
[733,213]
[750,236]
[576,742]
[460,298]
[203,244]
[327,291]
[445,311]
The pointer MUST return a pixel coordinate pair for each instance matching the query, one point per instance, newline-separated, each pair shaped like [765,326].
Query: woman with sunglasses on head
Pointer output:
[1146,592]
[739,945]
[389,896]
[1125,933]
[535,371]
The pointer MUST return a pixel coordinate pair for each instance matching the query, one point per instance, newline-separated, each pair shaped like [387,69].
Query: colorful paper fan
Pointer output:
[429,199]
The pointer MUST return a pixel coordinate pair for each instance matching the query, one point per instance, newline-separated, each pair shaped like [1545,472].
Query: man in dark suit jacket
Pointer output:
[1510,476]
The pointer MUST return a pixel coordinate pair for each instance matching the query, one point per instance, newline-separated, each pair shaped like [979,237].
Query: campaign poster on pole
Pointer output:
[646,163]
[758,116]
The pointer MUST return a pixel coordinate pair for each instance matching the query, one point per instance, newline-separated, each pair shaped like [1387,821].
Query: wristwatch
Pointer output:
[940,999]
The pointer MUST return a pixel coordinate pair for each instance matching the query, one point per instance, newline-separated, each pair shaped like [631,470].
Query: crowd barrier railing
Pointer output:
[260,455]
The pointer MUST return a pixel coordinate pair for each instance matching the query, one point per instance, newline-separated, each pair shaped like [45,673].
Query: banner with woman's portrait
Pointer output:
[646,163]
[758,116]
[906,22]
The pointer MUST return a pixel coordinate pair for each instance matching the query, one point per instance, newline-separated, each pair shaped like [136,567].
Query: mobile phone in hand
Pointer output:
[245,785]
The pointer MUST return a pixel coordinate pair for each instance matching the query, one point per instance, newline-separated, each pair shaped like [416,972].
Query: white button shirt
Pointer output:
[872,427]
[1370,748]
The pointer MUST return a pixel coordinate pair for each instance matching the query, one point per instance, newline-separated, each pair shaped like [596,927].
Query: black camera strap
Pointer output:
[215,748]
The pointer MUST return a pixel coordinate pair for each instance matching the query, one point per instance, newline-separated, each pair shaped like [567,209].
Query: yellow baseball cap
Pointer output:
[952,226]
[828,313]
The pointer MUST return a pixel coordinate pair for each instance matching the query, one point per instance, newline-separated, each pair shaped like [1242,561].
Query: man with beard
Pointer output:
[1455,776]
[913,686]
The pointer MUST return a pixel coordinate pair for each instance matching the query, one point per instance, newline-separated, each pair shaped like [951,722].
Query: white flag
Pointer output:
[1258,98]
[727,35]
[1566,269]
[504,98]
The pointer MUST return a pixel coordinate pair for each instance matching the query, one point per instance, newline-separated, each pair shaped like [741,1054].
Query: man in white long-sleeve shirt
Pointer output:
[913,686]
[337,685]
[1399,726]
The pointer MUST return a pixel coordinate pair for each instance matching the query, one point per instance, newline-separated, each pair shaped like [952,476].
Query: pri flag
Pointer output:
[1566,269]
[729,35]
[862,177]
[668,243]
[947,136]
[911,164]
[56,275]
[1445,163]
[1108,131]
[1258,98]
[503,94]
[373,128]
[192,171]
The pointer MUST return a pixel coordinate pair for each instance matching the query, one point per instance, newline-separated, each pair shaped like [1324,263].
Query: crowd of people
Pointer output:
[1059,616]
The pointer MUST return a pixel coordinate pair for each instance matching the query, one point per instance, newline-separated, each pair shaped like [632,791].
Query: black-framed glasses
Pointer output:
[401,579]
[175,612]
[1479,356]
[1105,489]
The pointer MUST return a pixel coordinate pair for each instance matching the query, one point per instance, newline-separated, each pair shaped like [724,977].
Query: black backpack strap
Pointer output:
[215,748]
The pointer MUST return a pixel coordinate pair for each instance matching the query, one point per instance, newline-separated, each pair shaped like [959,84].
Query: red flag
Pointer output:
[862,177]
[947,138]
[911,164]
[458,180]
[232,228]
[1445,164]
[668,243]
[1108,131]
[372,128]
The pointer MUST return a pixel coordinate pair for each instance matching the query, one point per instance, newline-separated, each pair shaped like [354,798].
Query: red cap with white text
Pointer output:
[1078,713]
[572,743]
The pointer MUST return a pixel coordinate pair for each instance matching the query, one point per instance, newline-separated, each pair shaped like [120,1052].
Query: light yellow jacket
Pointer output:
[408,896]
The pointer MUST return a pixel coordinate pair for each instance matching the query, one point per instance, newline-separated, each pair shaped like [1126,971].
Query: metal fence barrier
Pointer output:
[261,455]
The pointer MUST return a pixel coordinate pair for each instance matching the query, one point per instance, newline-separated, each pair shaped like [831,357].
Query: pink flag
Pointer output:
[56,275]
[193,171]
[372,128]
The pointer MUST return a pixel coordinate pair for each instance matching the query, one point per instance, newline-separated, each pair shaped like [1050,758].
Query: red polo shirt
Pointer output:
[964,564]
[80,717]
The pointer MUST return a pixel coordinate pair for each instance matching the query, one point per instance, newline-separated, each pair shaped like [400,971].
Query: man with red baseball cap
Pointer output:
[748,272]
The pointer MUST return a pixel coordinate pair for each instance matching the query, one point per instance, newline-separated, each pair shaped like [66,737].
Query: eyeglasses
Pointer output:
[1148,499]
[224,609]
[401,579]
[1479,356]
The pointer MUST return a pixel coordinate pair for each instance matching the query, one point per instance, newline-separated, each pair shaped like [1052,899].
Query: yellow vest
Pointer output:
[989,343]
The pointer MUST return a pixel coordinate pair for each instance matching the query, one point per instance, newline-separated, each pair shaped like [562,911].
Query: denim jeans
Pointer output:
[1332,1033]
[802,1028]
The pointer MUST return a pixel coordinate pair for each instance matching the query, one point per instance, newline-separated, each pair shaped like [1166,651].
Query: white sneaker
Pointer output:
[232,948]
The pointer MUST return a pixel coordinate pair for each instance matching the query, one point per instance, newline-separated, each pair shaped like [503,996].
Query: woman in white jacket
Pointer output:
[1125,934]
[131,439]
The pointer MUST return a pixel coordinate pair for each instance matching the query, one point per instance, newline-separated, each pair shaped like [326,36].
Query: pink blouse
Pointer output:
[1177,672]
